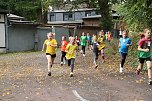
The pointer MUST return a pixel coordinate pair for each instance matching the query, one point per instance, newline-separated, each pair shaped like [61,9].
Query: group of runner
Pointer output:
[97,43]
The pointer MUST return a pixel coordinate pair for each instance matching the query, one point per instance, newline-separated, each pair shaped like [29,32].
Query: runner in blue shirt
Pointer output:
[124,44]
[89,41]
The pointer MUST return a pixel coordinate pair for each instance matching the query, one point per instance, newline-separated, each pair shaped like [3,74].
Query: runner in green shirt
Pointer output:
[144,47]
[83,40]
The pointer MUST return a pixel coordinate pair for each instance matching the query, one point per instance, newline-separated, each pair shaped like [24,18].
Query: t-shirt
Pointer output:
[144,44]
[50,49]
[89,38]
[98,39]
[63,45]
[123,44]
[71,51]
[109,36]
[101,46]
[101,39]
[101,42]
[83,40]
[106,35]
[95,47]
[77,40]
[92,39]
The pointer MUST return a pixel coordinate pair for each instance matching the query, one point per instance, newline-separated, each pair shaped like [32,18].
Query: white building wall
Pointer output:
[2,34]
[2,18]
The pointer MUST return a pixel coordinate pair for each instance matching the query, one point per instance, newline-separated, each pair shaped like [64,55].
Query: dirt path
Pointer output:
[23,77]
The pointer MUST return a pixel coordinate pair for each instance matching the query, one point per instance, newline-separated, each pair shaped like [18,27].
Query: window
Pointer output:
[67,16]
[52,17]
[88,13]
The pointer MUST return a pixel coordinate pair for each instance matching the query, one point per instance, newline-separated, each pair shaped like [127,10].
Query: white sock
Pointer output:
[49,66]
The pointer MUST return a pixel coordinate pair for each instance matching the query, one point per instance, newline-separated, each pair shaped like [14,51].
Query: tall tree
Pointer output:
[136,14]
[104,10]
[31,9]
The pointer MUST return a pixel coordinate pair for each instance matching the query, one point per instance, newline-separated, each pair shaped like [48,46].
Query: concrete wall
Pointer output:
[30,37]
[60,31]
[42,35]
[2,50]
[2,18]
[3,33]
[21,37]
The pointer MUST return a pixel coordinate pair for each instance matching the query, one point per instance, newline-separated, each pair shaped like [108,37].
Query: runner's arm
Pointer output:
[144,50]
[129,43]
[54,45]
[119,45]
[44,47]
[141,42]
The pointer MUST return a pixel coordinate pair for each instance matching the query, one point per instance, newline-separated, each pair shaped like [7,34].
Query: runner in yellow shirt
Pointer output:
[49,47]
[71,49]
[102,44]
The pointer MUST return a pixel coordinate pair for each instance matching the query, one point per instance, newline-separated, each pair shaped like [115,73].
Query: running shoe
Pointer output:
[71,74]
[96,66]
[120,69]
[137,72]
[61,63]
[150,82]
[49,73]
[81,51]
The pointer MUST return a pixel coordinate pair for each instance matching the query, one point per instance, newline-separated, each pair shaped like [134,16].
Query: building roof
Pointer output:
[12,16]
[99,16]
[14,19]
[76,10]
[94,16]
[65,22]
[20,21]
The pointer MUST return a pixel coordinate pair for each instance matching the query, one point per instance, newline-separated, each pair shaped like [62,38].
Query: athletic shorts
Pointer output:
[52,55]
[89,43]
[141,60]
[120,36]
[78,43]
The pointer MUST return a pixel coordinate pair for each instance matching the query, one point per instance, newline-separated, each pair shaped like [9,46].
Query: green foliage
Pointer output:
[136,14]
[30,9]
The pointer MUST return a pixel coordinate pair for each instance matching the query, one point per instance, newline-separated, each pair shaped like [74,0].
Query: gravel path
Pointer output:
[23,77]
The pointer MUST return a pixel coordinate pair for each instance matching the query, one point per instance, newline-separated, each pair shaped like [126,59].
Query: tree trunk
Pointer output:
[45,17]
[104,10]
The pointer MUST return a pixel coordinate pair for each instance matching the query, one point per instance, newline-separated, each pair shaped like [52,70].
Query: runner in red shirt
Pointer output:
[64,43]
